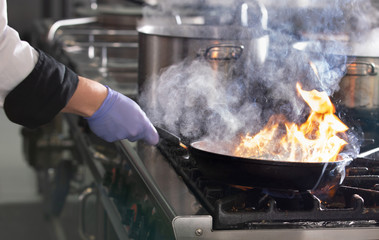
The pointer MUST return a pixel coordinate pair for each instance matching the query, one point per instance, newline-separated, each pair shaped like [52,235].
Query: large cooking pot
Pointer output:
[359,86]
[223,46]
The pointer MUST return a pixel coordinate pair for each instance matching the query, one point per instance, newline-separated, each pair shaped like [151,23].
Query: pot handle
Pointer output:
[223,52]
[361,69]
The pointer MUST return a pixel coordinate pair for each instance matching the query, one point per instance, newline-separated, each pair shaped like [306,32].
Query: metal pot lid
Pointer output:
[243,20]
[204,31]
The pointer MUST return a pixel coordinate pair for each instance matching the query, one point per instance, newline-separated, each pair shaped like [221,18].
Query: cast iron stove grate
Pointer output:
[354,203]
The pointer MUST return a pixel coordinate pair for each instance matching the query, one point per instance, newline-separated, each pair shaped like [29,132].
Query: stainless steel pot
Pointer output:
[359,85]
[359,88]
[224,46]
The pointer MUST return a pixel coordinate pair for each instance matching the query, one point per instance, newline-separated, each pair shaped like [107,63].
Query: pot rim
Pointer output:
[204,32]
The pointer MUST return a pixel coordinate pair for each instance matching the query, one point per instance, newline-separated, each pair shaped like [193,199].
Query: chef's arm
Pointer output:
[87,98]
[34,88]
[52,87]
[42,94]
[17,57]
[110,114]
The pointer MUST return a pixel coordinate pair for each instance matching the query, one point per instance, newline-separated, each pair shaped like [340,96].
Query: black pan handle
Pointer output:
[170,137]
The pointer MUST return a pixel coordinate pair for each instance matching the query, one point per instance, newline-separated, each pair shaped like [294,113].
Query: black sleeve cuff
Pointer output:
[42,94]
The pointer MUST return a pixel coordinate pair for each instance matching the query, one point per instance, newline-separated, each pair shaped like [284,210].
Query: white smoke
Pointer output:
[193,100]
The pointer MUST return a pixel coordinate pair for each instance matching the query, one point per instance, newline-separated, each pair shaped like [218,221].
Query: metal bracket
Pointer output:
[200,227]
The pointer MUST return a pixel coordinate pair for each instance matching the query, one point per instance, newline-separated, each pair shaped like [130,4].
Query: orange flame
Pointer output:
[315,140]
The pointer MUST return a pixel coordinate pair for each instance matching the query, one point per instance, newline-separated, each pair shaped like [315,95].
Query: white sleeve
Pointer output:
[17,58]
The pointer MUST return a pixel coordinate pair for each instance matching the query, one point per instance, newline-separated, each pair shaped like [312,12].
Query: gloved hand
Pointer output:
[119,117]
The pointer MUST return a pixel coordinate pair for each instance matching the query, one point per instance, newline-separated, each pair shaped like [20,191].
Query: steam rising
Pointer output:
[193,100]
[196,100]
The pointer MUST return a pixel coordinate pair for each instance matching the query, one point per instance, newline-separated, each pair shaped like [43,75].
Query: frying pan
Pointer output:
[218,165]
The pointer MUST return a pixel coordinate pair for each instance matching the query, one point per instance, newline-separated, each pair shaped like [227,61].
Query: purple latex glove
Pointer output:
[119,117]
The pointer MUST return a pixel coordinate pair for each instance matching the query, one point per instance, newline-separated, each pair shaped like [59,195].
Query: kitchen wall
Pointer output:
[22,14]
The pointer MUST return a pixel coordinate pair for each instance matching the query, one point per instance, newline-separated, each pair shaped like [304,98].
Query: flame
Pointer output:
[316,140]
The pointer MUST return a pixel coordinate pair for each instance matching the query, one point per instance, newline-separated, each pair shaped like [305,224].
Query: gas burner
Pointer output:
[233,211]
[240,207]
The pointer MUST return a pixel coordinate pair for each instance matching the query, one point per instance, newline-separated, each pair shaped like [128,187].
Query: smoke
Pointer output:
[192,99]
[368,44]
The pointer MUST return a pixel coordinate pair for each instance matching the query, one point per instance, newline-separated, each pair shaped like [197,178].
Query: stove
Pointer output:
[197,207]
[239,207]
[157,192]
